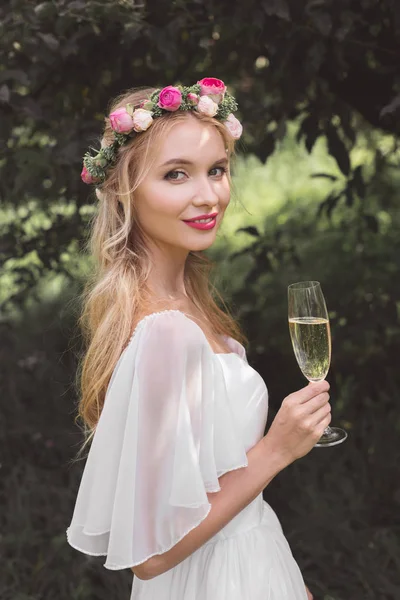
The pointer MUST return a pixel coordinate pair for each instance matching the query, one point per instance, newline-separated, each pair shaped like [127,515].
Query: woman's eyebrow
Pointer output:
[184,161]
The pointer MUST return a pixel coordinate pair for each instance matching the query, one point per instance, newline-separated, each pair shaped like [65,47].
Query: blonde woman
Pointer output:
[173,481]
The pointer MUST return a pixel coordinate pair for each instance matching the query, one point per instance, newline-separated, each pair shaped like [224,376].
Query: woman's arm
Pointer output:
[298,425]
[238,489]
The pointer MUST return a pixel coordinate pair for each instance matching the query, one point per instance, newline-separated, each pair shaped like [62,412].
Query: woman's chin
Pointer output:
[203,244]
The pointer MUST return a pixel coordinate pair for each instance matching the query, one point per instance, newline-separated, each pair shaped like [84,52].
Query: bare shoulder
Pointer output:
[190,310]
[158,307]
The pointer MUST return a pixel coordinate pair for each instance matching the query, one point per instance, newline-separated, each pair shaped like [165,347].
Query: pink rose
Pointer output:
[142,119]
[206,106]
[121,120]
[234,126]
[215,88]
[170,98]
[193,99]
[86,176]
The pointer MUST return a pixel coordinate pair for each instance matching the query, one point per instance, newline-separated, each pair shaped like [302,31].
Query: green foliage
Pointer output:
[327,63]
[317,83]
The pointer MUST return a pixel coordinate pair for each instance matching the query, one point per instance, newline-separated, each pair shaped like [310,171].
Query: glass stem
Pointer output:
[327,431]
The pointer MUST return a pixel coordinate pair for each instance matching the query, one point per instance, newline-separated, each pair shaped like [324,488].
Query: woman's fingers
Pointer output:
[308,392]
[314,388]
[315,404]
[318,421]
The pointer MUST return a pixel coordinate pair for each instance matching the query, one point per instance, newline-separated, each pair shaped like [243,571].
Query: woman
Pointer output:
[172,486]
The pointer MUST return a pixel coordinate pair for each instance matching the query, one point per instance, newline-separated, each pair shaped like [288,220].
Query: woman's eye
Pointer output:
[222,169]
[173,175]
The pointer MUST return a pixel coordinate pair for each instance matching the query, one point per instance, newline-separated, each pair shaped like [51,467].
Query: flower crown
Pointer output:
[207,96]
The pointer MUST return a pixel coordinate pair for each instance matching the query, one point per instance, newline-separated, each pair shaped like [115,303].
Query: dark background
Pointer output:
[330,66]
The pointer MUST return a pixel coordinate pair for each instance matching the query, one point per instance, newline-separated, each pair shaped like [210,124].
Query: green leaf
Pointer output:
[372,223]
[358,182]
[50,40]
[277,8]
[309,130]
[251,230]
[326,175]
[337,149]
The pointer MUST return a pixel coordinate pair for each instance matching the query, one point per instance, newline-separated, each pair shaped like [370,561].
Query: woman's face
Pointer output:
[187,180]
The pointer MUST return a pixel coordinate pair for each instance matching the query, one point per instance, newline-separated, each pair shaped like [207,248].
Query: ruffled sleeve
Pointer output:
[165,435]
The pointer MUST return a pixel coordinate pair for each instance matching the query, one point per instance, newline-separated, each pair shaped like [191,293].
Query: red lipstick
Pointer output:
[209,216]
[205,226]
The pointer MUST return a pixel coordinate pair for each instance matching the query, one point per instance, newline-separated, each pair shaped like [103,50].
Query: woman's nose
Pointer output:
[207,192]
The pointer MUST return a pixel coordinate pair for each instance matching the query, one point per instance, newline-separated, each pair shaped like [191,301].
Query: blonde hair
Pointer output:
[116,290]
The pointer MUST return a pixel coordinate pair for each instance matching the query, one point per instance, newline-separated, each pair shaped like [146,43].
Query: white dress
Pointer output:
[176,417]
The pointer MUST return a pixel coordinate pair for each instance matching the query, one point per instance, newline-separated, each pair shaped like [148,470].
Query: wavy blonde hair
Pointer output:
[115,293]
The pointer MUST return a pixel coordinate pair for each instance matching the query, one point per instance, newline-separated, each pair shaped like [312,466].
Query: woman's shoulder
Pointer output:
[162,317]
[187,324]
[165,323]
[154,309]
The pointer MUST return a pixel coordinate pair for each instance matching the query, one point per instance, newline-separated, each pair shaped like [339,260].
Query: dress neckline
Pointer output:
[175,310]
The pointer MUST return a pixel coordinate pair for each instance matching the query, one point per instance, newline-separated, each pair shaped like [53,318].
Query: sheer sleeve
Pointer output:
[165,435]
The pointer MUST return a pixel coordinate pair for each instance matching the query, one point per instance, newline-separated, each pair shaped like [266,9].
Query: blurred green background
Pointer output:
[316,186]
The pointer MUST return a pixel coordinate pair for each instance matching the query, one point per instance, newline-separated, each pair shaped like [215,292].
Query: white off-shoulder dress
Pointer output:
[176,417]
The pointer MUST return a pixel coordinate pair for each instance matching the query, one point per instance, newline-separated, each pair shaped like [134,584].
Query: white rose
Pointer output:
[207,106]
[234,126]
[142,119]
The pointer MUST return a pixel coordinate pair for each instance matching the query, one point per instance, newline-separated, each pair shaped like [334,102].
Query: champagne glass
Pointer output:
[311,339]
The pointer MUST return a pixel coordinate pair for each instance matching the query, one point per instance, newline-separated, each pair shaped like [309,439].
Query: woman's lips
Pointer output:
[203,226]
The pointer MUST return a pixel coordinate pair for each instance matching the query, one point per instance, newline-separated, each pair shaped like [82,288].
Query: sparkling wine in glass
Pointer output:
[311,339]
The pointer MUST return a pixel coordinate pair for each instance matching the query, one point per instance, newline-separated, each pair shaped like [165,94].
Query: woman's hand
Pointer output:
[309,594]
[300,421]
